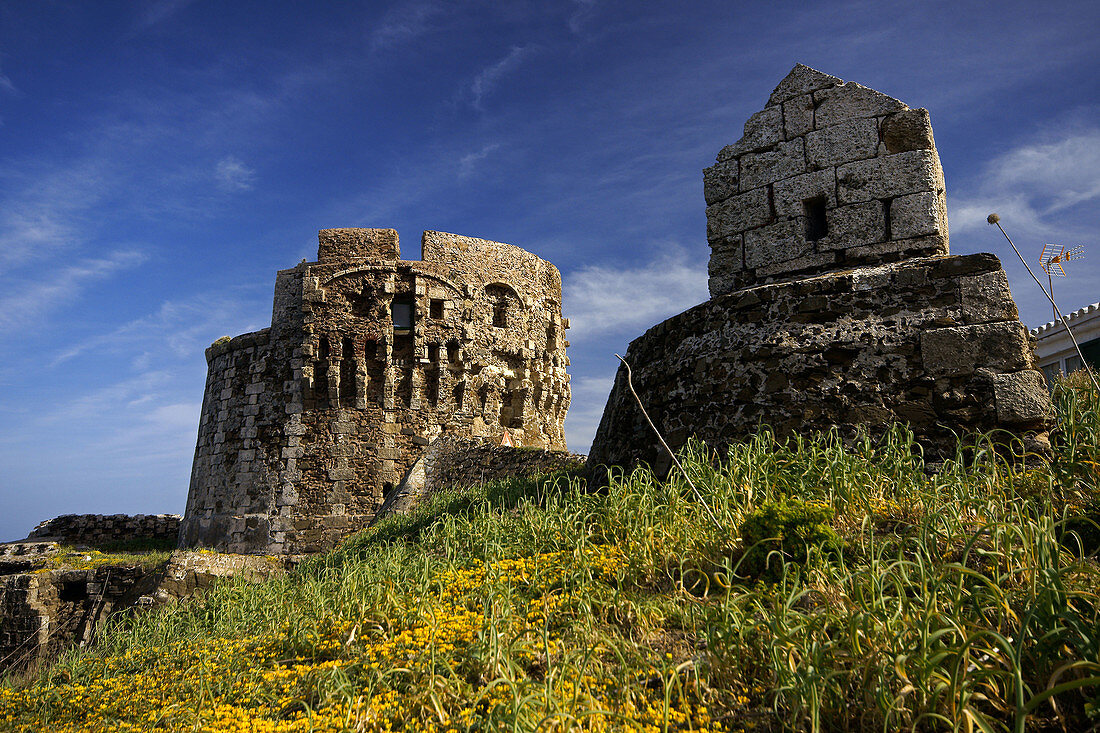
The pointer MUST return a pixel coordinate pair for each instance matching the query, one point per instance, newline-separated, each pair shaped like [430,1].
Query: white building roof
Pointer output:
[1047,329]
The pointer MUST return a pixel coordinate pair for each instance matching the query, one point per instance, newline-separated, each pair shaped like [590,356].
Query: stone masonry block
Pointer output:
[801,80]
[335,245]
[1022,398]
[763,130]
[986,298]
[776,243]
[842,143]
[893,175]
[798,116]
[960,350]
[804,264]
[854,226]
[720,181]
[850,101]
[760,169]
[738,213]
[910,129]
[789,195]
[726,265]
[896,248]
[918,214]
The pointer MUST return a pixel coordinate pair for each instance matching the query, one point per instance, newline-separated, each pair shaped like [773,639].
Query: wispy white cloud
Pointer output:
[1033,183]
[489,77]
[233,175]
[467,164]
[177,329]
[28,304]
[158,11]
[604,300]
[7,85]
[584,10]
[404,23]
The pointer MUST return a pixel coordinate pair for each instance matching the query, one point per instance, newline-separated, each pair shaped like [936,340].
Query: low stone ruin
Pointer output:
[834,301]
[104,530]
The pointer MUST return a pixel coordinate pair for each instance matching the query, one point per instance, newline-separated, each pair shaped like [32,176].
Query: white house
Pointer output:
[1054,352]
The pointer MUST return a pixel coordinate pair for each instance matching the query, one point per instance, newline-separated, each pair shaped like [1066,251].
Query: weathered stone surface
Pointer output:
[845,349]
[894,175]
[801,80]
[790,194]
[760,169]
[855,225]
[347,244]
[720,181]
[844,142]
[850,101]
[908,130]
[763,130]
[798,116]
[918,215]
[1022,398]
[775,243]
[961,350]
[308,424]
[986,298]
[738,213]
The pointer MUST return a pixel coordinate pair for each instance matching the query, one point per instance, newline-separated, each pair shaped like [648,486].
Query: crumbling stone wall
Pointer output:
[44,612]
[451,462]
[829,175]
[307,425]
[834,302]
[99,530]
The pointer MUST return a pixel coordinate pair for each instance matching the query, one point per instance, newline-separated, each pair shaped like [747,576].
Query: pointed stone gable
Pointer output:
[801,80]
[829,175]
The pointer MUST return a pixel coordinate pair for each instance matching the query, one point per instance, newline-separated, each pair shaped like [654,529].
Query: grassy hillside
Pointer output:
[840,589]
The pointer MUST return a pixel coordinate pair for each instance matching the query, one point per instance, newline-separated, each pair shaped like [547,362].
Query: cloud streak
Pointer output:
[1033,183]
[489,78]
[607,300]
[24,306]
[233,175]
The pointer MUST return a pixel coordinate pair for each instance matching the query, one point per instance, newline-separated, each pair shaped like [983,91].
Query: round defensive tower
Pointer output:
[307,425]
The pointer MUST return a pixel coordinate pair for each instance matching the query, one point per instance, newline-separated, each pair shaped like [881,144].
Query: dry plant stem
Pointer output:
[1057,311]
[698,496]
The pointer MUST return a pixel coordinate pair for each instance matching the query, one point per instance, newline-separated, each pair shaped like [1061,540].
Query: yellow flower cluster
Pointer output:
[490,644]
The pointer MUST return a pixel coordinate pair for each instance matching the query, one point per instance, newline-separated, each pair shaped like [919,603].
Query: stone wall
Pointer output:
[99,530]
[452,462]
[44,612]
[829,175]
[307,425]
[46,609]
[833,299]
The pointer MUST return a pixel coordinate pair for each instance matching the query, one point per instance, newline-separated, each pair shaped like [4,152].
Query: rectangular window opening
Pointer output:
[817,227]
[401,311]
[435,308]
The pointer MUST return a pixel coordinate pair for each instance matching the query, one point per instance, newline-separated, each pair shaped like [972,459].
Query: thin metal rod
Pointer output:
[698,496]
[994,219]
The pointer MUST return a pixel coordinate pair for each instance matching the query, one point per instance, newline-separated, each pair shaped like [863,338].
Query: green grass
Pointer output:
[844,588]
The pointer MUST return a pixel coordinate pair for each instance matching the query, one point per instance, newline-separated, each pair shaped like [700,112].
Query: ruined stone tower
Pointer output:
[834,301]
[307,425]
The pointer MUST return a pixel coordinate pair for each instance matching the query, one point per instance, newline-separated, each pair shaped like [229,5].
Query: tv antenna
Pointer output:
[1051,260]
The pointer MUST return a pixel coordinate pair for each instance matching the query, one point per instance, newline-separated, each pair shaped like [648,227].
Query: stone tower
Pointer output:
[307,425]
[834,301]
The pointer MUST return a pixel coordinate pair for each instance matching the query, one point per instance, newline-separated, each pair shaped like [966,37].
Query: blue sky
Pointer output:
[160,160]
